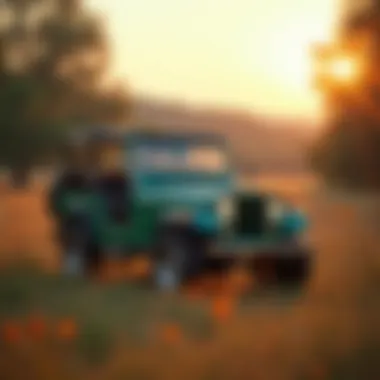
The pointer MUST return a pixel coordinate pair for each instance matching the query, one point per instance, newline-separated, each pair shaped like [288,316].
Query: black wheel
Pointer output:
[282,271]
[216,265]
[170,262]
[73,248]
[72,262]
[293,271]
[264,270]
[93,259]
[82,260]
[178,257]
[79,254]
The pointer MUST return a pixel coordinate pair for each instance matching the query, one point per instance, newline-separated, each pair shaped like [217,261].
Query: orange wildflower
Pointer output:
[11,332]
[172,334]
[67,329]
[36,327]
[222,308]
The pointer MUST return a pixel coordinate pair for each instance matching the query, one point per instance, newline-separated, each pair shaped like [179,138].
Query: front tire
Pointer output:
[73,252]
[282,271]
[293,271]
[179,256]
[170,262]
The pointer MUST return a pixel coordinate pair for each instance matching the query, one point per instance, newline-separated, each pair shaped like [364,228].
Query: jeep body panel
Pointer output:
[179,178]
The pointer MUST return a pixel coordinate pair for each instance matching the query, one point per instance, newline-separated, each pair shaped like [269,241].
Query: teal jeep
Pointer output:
[175,196]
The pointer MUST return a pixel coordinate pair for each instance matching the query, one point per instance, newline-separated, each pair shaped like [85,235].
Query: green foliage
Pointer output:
[332,157]
[347,155]
[53,61]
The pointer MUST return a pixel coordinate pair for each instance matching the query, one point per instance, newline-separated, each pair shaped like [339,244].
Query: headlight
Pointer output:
[276,211]
[226,209]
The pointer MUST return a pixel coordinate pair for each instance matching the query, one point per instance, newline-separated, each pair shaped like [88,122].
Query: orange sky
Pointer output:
[246,53]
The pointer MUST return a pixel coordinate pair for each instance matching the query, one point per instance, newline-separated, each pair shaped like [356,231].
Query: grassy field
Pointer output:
[57,328]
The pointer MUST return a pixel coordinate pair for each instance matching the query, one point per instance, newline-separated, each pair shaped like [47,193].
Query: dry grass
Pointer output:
[331,333]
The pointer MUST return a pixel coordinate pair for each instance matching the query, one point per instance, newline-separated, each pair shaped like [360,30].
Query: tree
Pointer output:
[54,57]
[348,153]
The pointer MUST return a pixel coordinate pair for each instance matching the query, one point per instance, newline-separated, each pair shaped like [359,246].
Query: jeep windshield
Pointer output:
[202,158]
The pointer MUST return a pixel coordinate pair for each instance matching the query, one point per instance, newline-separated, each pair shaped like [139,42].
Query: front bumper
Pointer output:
[251,249]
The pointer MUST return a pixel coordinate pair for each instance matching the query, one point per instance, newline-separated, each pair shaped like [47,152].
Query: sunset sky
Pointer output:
[245,53]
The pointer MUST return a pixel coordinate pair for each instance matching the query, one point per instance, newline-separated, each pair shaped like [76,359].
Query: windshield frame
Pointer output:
[176,152]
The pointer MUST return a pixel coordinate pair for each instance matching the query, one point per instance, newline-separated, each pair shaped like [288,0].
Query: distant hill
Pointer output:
[260,143]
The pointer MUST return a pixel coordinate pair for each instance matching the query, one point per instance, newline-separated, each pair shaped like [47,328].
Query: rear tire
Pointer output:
[93,259]
[73,252]
[82,261]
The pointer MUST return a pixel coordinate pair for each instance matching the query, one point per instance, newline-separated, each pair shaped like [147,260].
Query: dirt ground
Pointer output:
[333,332]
